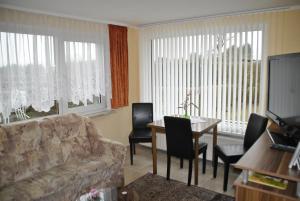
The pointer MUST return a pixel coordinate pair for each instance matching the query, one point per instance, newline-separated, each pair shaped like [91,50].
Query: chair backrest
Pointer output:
[179,137]
[256,126]
[142,114]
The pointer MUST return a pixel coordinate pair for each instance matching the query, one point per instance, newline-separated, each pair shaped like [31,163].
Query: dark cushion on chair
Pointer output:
[233,152]
[256,126]
[230,152]
[142,114]
[141,135]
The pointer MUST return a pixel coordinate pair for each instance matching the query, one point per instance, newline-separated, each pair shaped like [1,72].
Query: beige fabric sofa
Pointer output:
[56,159]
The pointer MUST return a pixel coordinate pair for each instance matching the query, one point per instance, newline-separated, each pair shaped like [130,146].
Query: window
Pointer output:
[45,70]
[25,61]
[221,70]
[82,63]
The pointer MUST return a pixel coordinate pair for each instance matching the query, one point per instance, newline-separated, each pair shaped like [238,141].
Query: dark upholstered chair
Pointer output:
[180,143]
[142,114]
[232,153]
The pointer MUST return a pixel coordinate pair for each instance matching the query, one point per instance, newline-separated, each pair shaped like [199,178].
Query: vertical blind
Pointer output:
[220,65]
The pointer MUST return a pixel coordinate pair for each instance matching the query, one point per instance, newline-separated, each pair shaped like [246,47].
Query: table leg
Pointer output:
[196,158]
[215,133]
[154,154]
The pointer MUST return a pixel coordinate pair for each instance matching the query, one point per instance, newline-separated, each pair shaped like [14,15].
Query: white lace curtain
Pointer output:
[46,58]
[27,72]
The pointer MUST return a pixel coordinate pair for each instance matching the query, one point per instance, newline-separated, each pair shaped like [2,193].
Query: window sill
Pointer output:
[98,114]
[229,135]
[30,120]
[90,115]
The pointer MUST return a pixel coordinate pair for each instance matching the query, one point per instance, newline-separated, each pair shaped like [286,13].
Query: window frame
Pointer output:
[59,64]
[86,110]
[238,131]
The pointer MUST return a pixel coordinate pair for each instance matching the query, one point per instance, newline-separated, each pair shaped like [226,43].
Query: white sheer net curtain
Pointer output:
[86,70]
[83,72]
[220,62]
[45,60]
[27,72]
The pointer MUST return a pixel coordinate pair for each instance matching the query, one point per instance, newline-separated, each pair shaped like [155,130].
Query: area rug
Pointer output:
[156,188]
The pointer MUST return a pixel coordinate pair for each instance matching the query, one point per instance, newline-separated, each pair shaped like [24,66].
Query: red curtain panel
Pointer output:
[119,65]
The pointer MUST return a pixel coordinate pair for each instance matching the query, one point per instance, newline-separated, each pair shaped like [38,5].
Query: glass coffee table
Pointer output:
[108,194]
[100,194]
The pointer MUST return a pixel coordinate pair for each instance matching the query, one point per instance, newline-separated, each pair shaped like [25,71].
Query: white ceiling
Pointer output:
[143,12]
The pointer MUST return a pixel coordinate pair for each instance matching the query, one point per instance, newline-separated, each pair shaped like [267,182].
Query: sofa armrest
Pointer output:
[113,149]
[108,150]
[112,154]
[101,145]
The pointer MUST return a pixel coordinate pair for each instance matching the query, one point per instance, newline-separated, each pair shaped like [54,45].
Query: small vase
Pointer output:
[186,115]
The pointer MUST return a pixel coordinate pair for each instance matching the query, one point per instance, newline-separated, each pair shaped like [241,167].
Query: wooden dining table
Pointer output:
[200,126]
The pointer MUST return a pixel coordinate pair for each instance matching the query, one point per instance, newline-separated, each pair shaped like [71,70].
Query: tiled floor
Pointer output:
[142,163]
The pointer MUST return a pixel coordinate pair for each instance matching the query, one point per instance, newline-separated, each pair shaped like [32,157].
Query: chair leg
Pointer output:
[134,149]
[215,162]
[190,171]
[168,166]
[204,162]
[226,171]
[131,152]
[181,163]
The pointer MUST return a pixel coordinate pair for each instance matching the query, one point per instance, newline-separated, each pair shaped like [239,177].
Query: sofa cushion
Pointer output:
[66,181]
[31,147]
[67,133]
[42,184]
[21,154]
[56,158]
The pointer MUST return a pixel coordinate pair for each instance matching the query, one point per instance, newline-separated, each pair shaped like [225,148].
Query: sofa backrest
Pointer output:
[35,146]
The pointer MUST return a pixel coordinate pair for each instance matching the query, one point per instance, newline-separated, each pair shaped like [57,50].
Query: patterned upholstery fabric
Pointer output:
[56,159]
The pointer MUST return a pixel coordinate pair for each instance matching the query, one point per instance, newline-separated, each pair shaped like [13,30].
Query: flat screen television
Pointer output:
[284,90]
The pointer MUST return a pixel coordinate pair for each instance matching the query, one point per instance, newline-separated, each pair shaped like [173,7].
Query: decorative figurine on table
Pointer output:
[186,104]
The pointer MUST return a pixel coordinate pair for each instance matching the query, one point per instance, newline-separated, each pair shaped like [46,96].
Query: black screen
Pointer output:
[284,88]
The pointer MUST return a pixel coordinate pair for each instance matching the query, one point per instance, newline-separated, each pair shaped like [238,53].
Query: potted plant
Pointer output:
[186,104]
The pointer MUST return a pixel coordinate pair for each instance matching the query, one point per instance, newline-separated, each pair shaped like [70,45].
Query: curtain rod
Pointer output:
[295,7]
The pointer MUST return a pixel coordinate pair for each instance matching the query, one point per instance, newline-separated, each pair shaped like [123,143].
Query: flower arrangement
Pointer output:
[186,104]
[94,195]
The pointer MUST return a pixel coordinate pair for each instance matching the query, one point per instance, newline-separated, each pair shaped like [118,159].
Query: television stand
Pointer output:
[263,160]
